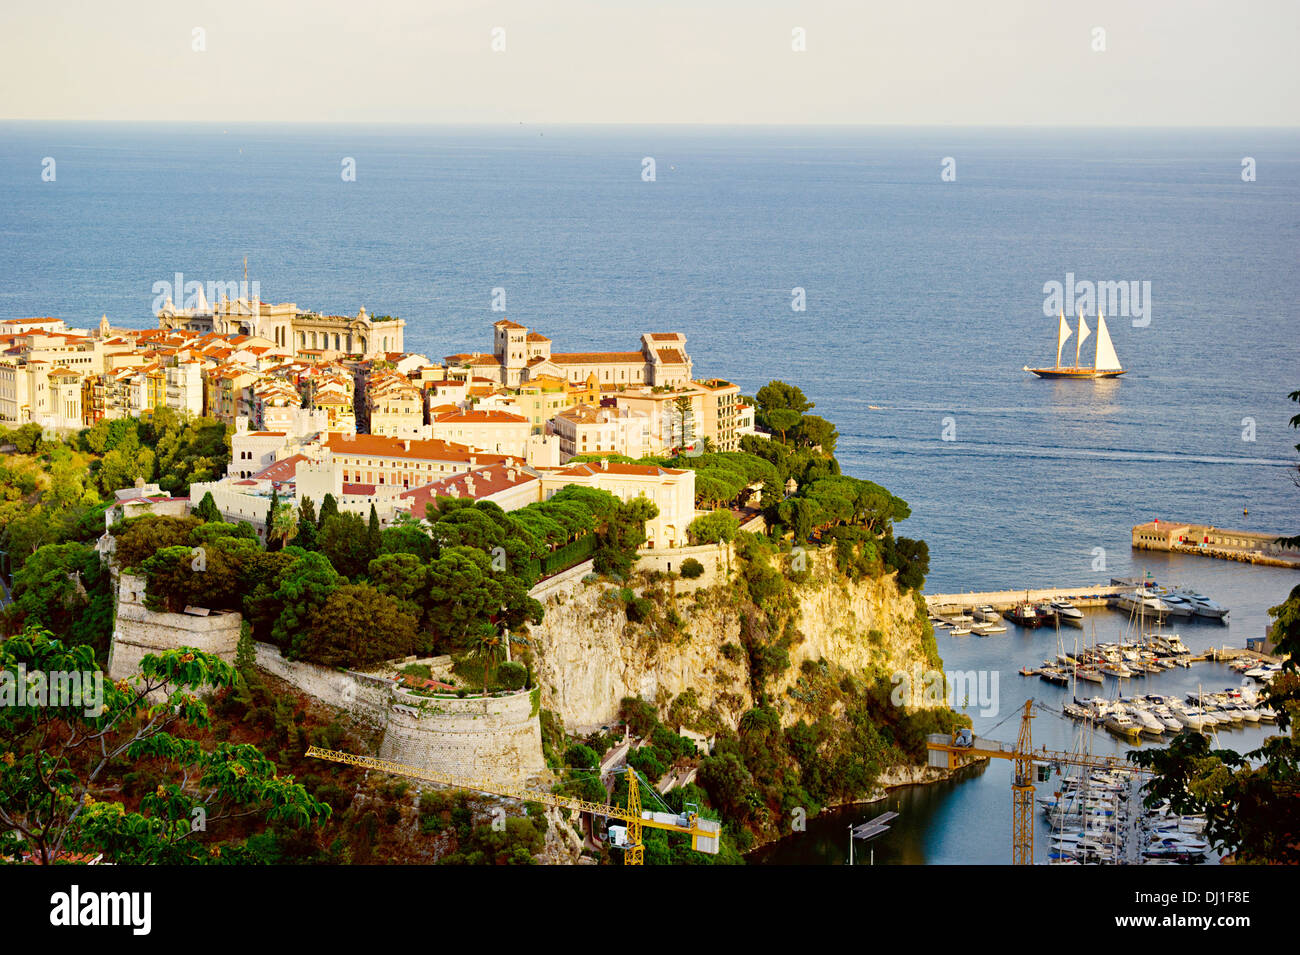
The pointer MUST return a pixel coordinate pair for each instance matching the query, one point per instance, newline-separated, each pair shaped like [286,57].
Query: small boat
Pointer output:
[1121,724]
[1026,615]
[1029,671]
[1145,601]
[1055,674]
[960,630]
[1146,721]
[1067,613]
[986,612]
[1178,607]
[991,627]
[1166,716]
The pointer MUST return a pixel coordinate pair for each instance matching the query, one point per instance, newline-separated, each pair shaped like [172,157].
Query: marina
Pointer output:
[966,819]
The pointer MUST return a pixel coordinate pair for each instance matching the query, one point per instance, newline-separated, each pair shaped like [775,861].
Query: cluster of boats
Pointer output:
[1153,715]
[1164,602]
[1156,653]
[1050,613]
[1259,672]
[980,620]
[1097,818]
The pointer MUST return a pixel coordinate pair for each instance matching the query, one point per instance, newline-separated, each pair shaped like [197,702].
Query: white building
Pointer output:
[584,429]
[672,490]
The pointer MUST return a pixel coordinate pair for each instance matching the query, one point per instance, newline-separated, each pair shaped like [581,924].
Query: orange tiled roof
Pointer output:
[597,358]
[480,417]
[612,467]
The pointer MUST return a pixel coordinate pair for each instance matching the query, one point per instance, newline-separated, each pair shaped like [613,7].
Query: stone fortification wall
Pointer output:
[493,739]
[139,631]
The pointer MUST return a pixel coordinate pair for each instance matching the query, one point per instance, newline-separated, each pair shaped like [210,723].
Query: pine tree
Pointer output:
[373,539]
[306,536]
[328,508]
[207,509]
[270,516]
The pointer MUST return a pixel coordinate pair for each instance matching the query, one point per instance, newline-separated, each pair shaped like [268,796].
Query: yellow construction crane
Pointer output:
[704,833]
[962,747]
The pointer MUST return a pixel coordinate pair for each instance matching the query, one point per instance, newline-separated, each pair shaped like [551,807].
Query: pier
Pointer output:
[1091,596]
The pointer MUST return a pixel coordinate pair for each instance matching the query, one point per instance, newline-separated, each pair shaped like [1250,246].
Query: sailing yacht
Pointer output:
[1105,362]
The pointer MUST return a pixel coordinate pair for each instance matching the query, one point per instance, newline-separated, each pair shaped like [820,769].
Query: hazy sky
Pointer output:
[1165,62]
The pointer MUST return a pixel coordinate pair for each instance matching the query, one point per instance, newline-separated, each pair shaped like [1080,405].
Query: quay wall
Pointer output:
[1005,599]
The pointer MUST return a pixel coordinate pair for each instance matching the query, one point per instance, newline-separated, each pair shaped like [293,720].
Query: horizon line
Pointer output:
[506,124]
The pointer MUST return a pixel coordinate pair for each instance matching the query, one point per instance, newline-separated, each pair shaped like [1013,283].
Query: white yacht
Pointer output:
[1143,600]
[1177,606]
[1068,613]
[1202,605]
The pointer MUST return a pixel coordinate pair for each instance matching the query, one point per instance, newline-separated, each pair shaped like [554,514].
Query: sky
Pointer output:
[916,62]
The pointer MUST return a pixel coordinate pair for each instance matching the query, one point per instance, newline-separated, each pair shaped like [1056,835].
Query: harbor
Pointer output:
[968,818]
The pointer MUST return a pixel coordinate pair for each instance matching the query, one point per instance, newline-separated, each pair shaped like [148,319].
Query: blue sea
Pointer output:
[924,300]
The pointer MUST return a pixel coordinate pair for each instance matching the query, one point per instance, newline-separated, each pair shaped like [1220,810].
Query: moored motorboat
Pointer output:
[1067,613]
[1025,615]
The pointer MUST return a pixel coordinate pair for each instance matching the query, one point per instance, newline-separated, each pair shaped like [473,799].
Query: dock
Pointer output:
[1206,540]
[1090,596]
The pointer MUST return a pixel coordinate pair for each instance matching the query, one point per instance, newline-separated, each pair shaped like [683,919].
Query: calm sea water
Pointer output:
[924,300]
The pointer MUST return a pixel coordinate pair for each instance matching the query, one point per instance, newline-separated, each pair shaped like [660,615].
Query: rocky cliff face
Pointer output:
[589,656]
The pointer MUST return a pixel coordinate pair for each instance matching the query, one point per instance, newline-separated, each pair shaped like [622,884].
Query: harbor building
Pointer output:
[1248,546]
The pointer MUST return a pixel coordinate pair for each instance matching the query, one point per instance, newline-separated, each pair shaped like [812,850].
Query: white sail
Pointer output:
[1062,333]
[1084,332]
[1107,360]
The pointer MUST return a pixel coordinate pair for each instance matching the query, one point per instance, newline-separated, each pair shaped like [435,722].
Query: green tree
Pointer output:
[207,509]
[306,533]
[782,420]
[343,540]
[712,528]
[138,538]
[284,524]
[487,647]
[301,588]
[358,626]
[64,588]
[55,797]
[328,508]
[778,395]
[622,535]
[813,431]
[373,539]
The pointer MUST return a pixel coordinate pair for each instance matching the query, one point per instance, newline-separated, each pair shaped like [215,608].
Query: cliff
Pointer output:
[590,656]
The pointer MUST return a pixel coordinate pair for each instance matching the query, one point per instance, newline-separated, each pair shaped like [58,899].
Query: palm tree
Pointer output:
[486,646]
[284,523]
